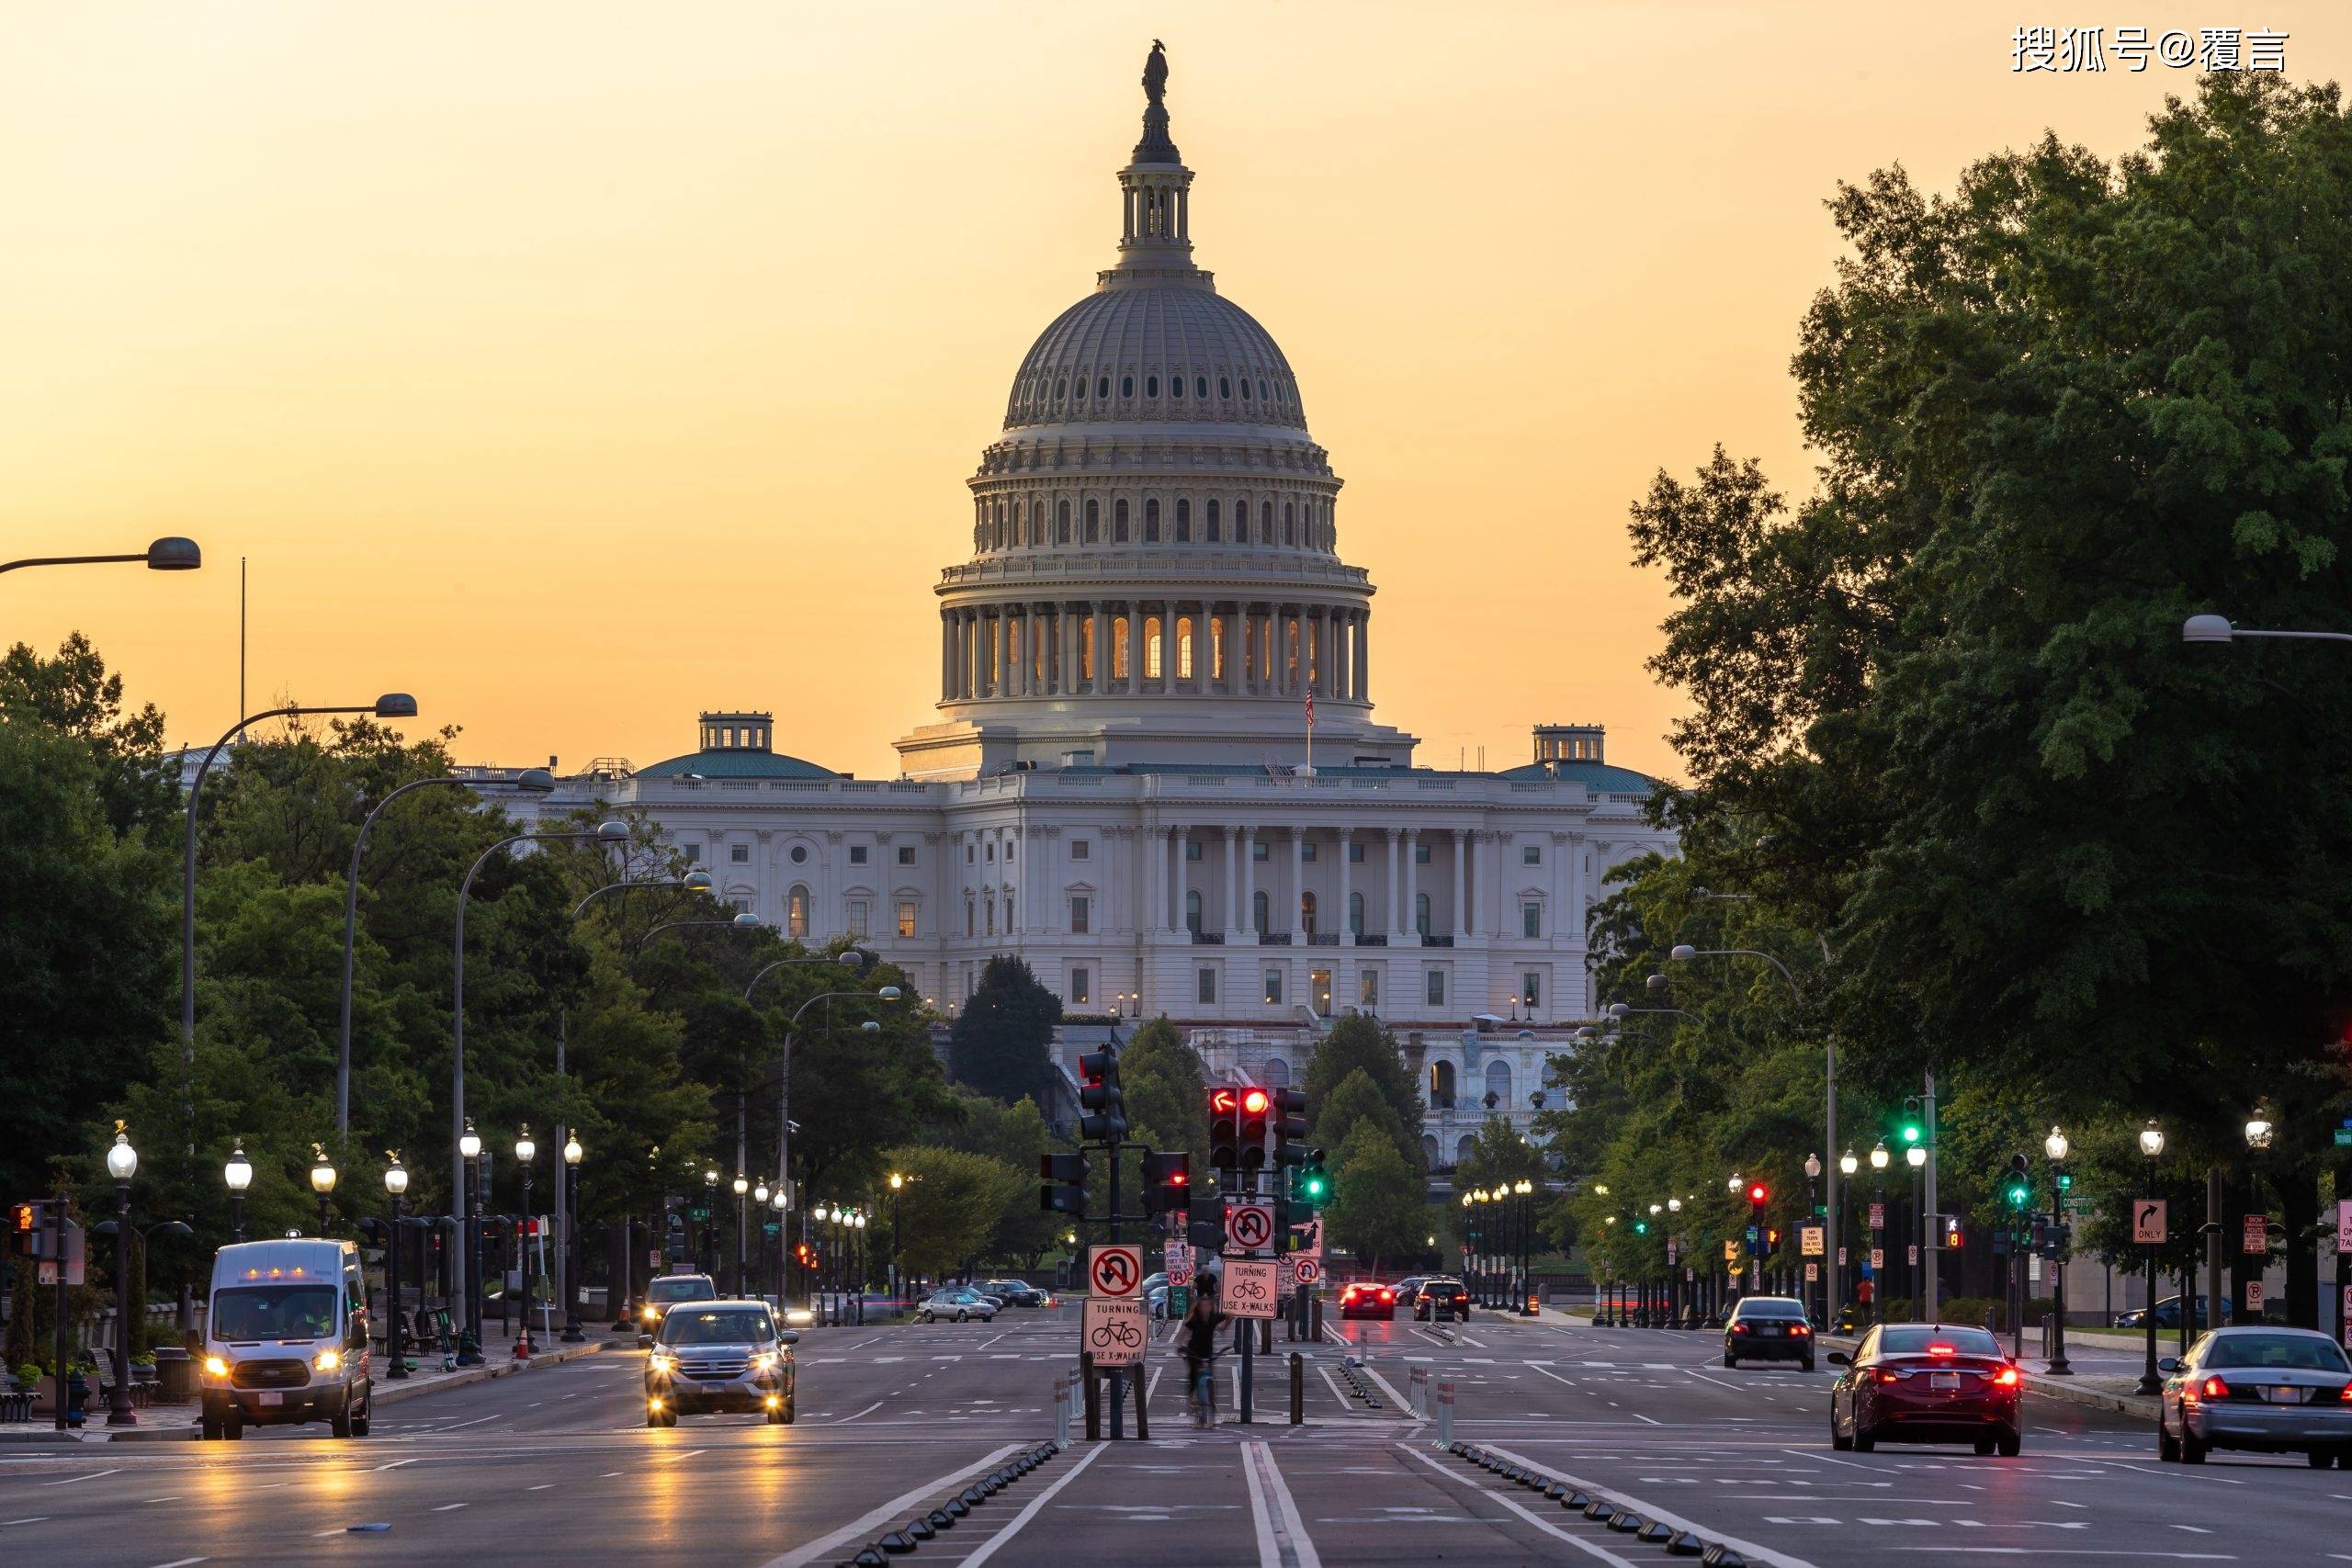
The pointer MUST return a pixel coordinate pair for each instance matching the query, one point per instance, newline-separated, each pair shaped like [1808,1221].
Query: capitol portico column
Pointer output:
[1460,911]
[1413,880]
[1151,844]
[1347,891]
[1099,678]
[1065,683]
[1326,642]
[1168,648]
[1016,649]
[1395,925]
[1249,848]
[1134,647]
[1232,888]
[1363,655]
[1298,887]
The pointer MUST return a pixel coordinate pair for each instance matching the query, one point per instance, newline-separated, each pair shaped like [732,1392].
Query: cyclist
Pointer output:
[1202,1321]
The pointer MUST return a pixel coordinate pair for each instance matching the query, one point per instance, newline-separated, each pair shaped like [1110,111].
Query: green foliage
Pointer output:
[1000,1041]
[1356,1102]
[948,1213]
[1166,1090]
[1014,1136]
[1376,1211]
[1356,1043]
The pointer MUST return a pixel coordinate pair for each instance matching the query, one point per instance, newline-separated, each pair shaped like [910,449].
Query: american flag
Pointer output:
[1310,707]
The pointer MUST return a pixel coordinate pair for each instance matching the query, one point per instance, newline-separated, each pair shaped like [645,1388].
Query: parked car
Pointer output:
[959,1302]
[720,1356]
[2268,1390]
[1368,1299]
[1408,1290]
[2168,1315]
[1015,1293]
[1441,1295]
[1926,1384]
[1155,1300]
[1768,1328]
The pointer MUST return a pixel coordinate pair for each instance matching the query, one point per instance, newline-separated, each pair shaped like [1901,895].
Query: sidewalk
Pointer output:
[178,1423]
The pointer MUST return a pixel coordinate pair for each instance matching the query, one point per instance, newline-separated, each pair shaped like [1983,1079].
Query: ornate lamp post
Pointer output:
[239,1174]
[572,1154]
[1526,1192]
[2152,1145]
[1677,1306]
[526,1149]
[1812,1214]
[122,1164]
[395,1352]
[323,1176]
[1922,1292]
[2056,1146]
[469,1217]
[759,1269]
[709,1248]
[776,1200]
[1879,1158]
[741,1188]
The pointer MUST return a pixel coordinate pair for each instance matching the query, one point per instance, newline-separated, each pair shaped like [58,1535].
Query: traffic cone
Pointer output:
[523,1347]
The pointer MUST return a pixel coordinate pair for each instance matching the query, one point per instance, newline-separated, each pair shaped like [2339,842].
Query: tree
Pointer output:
[73,695]
[949,1212]
[1013,1135]
[1357,1101]
[1354,1044]
[1376,1211]
[1165,1090]
[1000,1041]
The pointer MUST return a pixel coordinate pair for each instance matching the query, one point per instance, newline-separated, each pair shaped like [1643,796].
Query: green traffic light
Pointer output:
[1641,1227]
[1911,1132]
[2019,1196]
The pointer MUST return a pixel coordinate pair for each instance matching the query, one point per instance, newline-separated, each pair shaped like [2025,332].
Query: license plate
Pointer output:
[2283,1395]
[272,1398]
[1943,1380]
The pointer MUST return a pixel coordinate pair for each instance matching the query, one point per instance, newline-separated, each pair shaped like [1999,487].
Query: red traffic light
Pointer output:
[1254,1101]
[1222,1102]
[1756,1193]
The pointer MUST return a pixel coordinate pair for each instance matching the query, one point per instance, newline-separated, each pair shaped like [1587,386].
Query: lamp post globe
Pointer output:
[572,1153]
[1733,1184]
[396,1178]
[396,1186]
[1847,1164]
[1525,1187]
[2259,1131]
[2055,1145]
[470,1141]
[526,1148]
[1674,1205]
[122,1160]
[1878,1155]
[322,1178]
[239,1174]
[710,1179]
[1657,1208]
[760,1192]
[1914,1157]
[741,1186]
[122,1164]
[1812,1168]
[2151,1141]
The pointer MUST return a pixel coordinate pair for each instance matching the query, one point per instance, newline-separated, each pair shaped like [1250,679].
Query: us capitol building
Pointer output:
[1114,784]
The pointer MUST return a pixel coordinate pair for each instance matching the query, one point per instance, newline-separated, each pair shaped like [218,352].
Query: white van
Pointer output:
[286,1338]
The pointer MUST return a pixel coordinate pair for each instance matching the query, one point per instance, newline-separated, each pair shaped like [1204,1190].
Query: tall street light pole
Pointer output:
[1683,952]
[1812,1212]
[612,832]
[122,1164]
[568,1200]
[784,1068]
[1878,1232]
[2151,1144]
[1847,1166]
[395,1352]
[1923,1290]
[466,1271]
[742,1186]
[170,553]
[532,780]
[2056,1146]
[392,704]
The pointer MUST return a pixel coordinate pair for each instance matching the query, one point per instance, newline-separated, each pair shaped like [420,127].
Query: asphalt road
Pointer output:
[555,1465]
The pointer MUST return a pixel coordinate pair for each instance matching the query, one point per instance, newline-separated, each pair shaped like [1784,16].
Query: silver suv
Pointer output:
[720,1356]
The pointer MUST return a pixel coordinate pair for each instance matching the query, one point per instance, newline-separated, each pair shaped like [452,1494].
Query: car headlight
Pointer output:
[766,1361]
[214,1367]
[661,1361]
[328,1360]
[650,1313]
[800,1318]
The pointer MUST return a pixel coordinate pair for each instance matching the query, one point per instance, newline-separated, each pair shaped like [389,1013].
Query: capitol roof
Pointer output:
[725,763]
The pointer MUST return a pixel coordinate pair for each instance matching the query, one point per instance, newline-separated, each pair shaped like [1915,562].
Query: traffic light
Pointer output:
[1771,1240]
[1290,1127]
[1062,1188]
[1313,1182]
[1951,1232]
[1167,1182]
[1106,1119]
[1204,1220]
[1912,1131]
[29,1231]
[1256,1104]
[1641,1227]
[2018,1190]
[1224,1128]
[1757,1196]
[804,1254]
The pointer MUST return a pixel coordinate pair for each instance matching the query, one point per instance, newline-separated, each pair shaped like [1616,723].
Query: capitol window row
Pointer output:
[1287,522]
[1213,392]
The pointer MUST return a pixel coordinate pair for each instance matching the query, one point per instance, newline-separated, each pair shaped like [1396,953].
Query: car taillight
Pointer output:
[1889,1375]
[2347,1395]
[1941,1351]
[2006,1377]
[2214,1388]
[1348,1294]
[1739,1328]
[1388,1295]
[1799,1329]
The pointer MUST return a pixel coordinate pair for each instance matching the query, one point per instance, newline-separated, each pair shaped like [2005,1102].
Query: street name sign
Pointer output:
[1250,1287]
[2148,1227]
[1249,1226]
[1114,1330]
[1114,1270]
[1812,1240]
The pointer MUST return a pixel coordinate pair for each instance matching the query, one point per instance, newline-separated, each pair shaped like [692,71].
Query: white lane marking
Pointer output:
[540,1487]
[447,1506]
[183,1561]
[92,1476]
[689,1454]
[988,1547]
[398,1462]
[1283,1541]
[2193,1529]
[1752,1552]
[1546,1526]
[29,1520]
[862,1529]
[172,1498]
[868,1411]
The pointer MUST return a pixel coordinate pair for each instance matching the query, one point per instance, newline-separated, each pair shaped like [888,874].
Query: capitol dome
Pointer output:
[1157,352]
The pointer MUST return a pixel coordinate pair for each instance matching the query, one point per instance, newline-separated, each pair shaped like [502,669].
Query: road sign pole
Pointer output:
[1118,1385]
[64,1306]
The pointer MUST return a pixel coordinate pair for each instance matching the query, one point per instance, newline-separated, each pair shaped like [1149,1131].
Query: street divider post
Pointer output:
[1445,1413]
[1297,1389]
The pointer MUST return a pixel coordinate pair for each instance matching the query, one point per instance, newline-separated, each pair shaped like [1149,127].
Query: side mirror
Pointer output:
[2168,1364]
[790,1336]
[1839,1359]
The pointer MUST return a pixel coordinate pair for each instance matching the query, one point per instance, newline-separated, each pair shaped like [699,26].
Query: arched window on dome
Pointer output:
[1119,647]
[1036,524]
[1200,386]
[1176,386]
[1093,522]
[1290,523]
[999,524]
[1265,522]
[1061,390]
[1151,522]
[1118,522]
[1151,386]
[1077,389]
[1062,522]
[1127,385]
[1263,396]
[1225,388]
[1103,388]
[1220,628]
[1184,647]
[1151,647]
[1183,521]
[1086,667]
[1211,523]
[1245,388]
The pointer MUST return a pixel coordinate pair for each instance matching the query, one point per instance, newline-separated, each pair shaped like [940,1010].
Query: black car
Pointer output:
[1768,1328]
[1012,1292]
[1440,1296]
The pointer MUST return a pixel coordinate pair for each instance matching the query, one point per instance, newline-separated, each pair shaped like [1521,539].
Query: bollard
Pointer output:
[1445,1413]
[1143,1418]
[1297,1389]
[1061,1409]
[1417,1391]
[1093,1397]
[1316,1323]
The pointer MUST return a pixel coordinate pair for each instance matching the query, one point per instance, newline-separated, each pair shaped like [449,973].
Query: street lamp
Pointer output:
[573,1155]
[169,553]
[2152,1145]
[395,1184]
[321,1181]
[467,1194]
[2217,629]
[122,1164]
[776,1200]
[741,1187]
[239,1174]
[864,960]
[2056,1146]
[2258,1131]
[1812,1211]
[1879,1160]
[526,1148]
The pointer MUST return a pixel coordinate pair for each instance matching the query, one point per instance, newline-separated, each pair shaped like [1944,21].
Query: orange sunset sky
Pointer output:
[574,364]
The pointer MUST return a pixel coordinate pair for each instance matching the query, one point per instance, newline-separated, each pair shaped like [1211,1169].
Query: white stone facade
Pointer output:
[1110,787]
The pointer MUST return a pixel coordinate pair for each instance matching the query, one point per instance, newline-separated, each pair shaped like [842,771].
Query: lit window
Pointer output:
[905,854]
[795,913]
[739,854]
[1306,913]
[906,917]
[857,854]
[1078,916]
[1078,984]
[857,917]
[1530,919]
[1273,986]
[1530,991]
[1368,988]
[1435,981]
[1207,993]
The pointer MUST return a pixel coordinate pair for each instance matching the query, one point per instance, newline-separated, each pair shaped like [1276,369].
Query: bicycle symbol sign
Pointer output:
[1250,1287]
[1114,1270]
[1250,1225]
[1114,1331]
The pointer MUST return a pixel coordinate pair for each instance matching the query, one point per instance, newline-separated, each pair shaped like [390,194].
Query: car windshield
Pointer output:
[742,1326]
[1914,1341]
[273,1312]
[679,1289]
[1767,1308]
[2305,1352]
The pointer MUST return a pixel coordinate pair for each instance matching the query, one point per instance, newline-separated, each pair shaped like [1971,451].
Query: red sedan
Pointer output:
[1368,1300]
[1908,1384]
